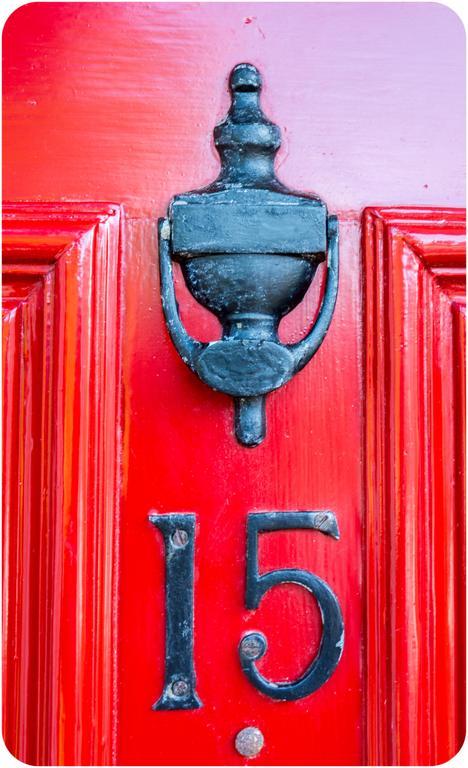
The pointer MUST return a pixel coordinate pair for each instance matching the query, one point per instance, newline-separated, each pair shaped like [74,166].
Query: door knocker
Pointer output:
[249,249]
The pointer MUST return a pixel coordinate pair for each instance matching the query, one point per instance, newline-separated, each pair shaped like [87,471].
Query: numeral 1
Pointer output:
[179,673]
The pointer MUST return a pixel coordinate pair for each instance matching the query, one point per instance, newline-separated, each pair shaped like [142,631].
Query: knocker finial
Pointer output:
[249,249]
[246,140]
[245,78]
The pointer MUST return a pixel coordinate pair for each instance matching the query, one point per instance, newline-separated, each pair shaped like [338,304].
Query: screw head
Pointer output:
[253,646]
[179,538]
[249,741]
[180,688]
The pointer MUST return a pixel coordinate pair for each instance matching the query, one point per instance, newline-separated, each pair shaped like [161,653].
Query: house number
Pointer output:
[179,674]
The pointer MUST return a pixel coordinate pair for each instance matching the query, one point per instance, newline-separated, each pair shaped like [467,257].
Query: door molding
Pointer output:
[62,437]
[414,331]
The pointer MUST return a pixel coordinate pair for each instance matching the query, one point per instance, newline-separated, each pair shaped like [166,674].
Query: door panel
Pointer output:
[415,317]
[181,436]
[61,357]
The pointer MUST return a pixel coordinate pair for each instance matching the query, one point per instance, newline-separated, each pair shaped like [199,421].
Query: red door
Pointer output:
[105,425]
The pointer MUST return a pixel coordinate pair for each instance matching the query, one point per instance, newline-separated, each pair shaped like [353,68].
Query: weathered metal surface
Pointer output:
[179,691]
[249,249]
[254,645]
[249,742]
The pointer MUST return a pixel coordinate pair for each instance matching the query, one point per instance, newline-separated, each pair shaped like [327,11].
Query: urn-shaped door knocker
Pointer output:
[249,249]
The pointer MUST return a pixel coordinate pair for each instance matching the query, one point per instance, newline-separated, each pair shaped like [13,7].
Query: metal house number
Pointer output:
[179,674]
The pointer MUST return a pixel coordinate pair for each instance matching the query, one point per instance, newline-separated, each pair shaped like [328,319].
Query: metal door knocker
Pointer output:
[249,249]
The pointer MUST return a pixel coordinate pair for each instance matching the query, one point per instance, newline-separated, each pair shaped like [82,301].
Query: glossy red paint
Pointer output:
[118,101]
[61,474]
[182,455]
[415,312]
[201,468]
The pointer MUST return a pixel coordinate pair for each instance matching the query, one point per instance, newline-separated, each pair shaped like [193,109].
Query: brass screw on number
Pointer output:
[251,646]
[249,741]
[179,538]
[180,688]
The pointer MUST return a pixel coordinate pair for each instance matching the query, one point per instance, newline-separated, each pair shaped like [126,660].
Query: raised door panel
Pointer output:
[414,305]
[61,342]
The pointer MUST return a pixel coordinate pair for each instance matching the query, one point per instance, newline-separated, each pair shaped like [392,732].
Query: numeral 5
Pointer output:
[254,644]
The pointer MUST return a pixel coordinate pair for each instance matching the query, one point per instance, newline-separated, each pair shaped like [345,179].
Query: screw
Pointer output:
[249,741]
[179,538]
[252,646]
[321,519]
[180,688]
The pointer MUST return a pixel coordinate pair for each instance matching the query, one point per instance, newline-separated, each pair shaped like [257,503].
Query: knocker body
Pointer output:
[249,249]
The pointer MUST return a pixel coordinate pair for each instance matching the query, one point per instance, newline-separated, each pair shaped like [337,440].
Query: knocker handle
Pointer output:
[187,347]
[305,349]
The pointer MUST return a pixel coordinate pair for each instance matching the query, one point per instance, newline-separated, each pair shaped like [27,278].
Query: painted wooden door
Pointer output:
[104,424]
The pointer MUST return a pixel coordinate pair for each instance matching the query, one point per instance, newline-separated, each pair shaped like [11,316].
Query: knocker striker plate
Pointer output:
[249,249]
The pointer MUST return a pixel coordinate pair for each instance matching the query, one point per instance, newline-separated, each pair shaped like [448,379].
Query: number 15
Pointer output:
[179,678]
